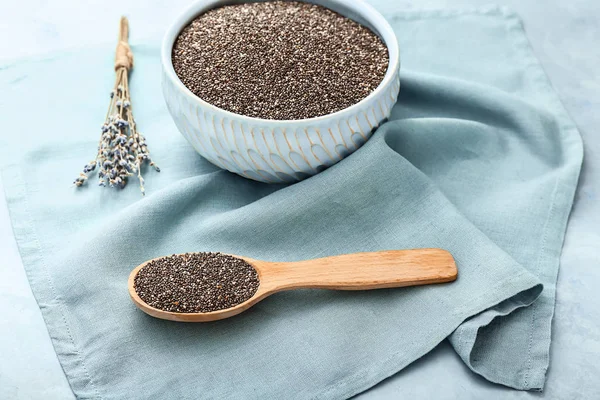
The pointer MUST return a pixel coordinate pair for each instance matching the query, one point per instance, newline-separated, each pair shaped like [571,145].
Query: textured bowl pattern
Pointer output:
[271,152]
[280,151]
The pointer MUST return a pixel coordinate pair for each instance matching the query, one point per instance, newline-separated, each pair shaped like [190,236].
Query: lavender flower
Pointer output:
[80,180]
[121,150]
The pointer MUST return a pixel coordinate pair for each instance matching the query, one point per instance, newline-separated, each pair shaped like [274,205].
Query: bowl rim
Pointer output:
[359,7]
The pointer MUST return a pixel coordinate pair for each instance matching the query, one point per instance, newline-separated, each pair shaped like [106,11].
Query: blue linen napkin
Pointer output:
[479,158]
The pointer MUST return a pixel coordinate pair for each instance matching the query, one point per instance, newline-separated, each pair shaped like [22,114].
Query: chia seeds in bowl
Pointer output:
[279,60]
[280,124]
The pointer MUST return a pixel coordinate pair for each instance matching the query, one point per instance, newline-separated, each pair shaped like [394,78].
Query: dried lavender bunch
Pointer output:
[122,150]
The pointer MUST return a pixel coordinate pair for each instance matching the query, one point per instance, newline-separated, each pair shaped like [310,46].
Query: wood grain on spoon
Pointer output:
[357,271]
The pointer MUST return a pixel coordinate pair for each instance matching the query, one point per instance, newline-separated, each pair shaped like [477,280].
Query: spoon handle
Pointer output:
[362,271]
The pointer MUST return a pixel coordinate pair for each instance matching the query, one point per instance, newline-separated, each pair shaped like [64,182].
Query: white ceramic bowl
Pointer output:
[280,150]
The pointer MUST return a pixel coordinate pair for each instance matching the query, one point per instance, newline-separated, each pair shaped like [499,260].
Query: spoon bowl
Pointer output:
[357,271]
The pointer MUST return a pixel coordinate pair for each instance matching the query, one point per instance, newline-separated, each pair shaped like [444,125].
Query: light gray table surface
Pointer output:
[565,35]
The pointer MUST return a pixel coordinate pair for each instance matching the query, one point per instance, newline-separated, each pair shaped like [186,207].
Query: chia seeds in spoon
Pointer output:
[279,60]
[196,282]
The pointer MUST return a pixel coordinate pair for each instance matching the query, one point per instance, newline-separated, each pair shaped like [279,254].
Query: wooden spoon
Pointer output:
[358,271]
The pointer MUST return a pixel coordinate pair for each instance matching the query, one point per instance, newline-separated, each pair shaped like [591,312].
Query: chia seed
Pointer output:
[279,60]
[196,282]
